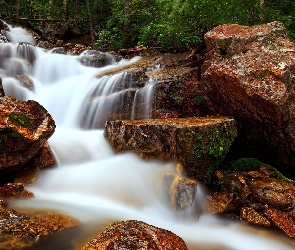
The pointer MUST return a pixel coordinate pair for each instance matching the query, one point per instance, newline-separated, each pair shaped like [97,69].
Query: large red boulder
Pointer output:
[249,74]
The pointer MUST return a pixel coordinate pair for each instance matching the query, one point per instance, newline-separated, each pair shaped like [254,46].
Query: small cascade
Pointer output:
[27,52]
[57,67]
[143,102]
[111,97]
[143,99]
[16,62]
[18,35]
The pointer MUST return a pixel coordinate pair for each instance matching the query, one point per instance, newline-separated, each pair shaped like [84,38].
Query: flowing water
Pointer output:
[90,181]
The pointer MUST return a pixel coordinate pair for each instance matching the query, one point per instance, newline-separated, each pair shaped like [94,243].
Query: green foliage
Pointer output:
[174,25]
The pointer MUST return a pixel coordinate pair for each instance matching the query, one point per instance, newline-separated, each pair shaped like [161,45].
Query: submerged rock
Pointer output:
[180,191]
[24,128]
[220,202]
[199,144]
[26,81]
[19,230]
[249,74]
[97,59]
[135,235]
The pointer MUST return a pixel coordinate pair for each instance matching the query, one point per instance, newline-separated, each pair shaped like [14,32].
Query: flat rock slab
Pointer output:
[199,144]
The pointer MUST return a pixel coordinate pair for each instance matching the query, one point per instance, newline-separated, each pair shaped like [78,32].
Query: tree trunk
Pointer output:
[17,8]
[65,3]
[90,21]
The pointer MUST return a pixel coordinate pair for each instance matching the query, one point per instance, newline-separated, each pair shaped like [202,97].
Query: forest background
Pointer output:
[174,25]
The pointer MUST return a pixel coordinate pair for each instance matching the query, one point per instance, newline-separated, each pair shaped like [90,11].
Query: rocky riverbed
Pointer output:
[224,118]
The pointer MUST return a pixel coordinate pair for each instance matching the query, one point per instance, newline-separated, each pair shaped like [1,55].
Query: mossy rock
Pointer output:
[250,164]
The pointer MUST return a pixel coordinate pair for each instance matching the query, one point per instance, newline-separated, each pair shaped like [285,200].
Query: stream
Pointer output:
[90,181]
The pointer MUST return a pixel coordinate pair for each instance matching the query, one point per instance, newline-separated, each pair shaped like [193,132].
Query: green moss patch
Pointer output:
[22,119]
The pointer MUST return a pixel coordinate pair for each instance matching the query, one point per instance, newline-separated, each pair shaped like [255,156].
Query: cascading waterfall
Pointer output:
[90,182]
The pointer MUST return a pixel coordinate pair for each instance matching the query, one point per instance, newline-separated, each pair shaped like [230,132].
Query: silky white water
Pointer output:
[90,181]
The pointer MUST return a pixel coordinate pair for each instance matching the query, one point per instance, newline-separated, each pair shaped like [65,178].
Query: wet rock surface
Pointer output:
[162,86]
[135,235]
[97,59]
[249,215]
[273,192]
[14,190]
[281,220]
[25,127]
[20,230]
[199,144]
[248,73]
[180,192]
[255,195]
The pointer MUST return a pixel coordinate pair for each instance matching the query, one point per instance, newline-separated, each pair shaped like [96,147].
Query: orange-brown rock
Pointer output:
[249,215]
[274,192]
[135,235]
[282,220]
[14,190]
[248,73]
[199,144]
[24,128]
[19,230]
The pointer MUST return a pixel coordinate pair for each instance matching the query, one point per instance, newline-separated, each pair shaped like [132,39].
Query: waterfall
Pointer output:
[90,181]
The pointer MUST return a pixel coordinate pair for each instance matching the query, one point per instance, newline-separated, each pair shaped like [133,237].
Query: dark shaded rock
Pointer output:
[2,93]
[256,169]
[45,44]
[14,190]
[248,74]
[220,202]
[181,192]
[3,204]
[135,235]
[59,50]
[24,128]
[282,220]
[199,144]
[273,192]
[140,51]
[3,26]
[250,216]
[28,172]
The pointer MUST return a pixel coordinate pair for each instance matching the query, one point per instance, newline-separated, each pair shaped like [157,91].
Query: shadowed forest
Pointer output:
[173,25]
